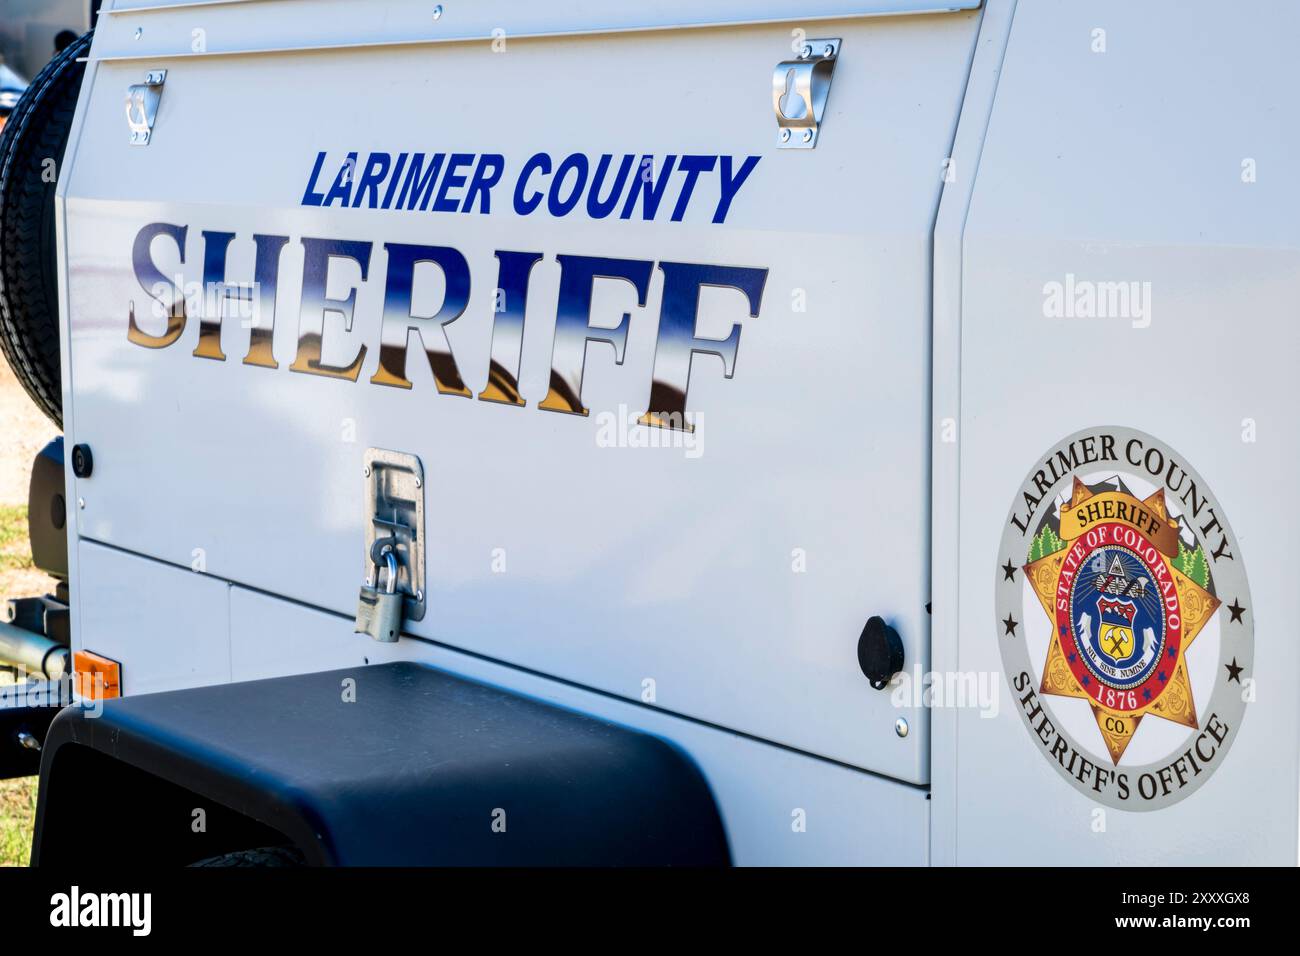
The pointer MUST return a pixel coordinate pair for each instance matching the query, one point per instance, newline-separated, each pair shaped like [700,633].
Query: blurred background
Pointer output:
[31,32]
[23,432]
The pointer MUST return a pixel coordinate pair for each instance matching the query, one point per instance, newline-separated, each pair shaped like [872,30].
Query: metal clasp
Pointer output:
[800,88]
[394,524]
[390,563]
[142,101]
[379,613]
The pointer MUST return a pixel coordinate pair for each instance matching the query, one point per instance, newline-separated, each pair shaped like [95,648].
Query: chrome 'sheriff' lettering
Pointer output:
[676,346]
[266,278]
[215,245]
[317,254]
[508,327]
[157,285]
[572,332]
[399,322]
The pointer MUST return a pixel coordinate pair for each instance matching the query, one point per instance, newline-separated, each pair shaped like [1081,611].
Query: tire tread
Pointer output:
[37,131]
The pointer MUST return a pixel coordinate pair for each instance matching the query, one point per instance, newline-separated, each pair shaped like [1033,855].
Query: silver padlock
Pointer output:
[379,612]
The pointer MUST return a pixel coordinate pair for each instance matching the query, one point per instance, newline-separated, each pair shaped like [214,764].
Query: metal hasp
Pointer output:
[800,88]
[142,101]
[394,544]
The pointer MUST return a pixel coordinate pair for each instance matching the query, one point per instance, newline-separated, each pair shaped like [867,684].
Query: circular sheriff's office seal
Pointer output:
[1124,619]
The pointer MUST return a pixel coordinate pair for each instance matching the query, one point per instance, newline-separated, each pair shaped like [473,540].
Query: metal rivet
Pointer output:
[785,136]
[807,136]
[900,727]
[81,502]
[437,11]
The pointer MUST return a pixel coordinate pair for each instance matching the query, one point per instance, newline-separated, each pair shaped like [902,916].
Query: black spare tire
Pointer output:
[31,158]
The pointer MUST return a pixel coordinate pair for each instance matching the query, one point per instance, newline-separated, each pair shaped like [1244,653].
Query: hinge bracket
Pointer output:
[142,101]
[800,88]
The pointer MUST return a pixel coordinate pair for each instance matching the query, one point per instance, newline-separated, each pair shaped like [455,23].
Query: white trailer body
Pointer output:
[1017,234]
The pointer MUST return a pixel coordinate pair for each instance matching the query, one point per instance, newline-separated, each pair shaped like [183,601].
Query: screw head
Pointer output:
[806,51]
[419,482]
[437,12]
[807,136]
[785,136]
[900,727]
[366,471]
[81,502]
[139,32]
[830,50]
[419,596]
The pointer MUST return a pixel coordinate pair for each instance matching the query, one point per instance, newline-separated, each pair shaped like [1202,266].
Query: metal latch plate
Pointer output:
[142,101]
[395,516]
[800,88]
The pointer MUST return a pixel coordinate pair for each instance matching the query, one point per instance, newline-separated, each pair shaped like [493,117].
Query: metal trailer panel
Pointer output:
[946,630]
[1131,165]
[627,568]
[223,27]
[169,630]
[778,806]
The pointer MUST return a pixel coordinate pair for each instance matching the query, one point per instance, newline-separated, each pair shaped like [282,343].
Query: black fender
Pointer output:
[391,764]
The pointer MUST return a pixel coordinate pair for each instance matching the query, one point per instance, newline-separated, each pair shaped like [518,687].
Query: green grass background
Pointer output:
[17,808]
[17,797]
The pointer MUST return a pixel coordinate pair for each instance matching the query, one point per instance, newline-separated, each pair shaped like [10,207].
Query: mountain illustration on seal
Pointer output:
[1190,560]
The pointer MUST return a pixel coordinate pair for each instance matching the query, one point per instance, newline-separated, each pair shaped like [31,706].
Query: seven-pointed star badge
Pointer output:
[1122,615]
